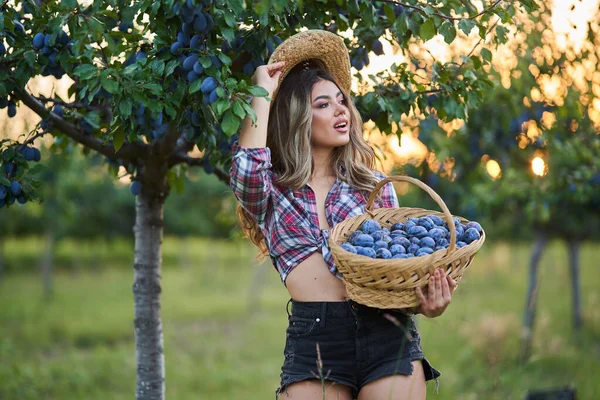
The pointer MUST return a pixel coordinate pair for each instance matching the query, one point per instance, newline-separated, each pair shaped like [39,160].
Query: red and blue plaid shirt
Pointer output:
[288,219]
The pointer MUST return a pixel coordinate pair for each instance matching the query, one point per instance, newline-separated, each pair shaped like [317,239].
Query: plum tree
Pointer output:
[135,100]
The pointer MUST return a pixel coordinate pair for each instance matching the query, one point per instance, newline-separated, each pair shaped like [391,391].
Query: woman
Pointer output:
[302,168]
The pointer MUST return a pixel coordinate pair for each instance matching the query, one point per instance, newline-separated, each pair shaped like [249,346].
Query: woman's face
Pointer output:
[330,116]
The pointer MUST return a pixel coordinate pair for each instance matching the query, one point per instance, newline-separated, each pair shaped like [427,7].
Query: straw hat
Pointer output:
[315,44]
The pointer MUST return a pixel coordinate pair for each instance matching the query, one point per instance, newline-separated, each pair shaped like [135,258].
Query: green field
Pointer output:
[224,323]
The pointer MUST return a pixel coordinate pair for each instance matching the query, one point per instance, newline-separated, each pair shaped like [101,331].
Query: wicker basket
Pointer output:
[390,283]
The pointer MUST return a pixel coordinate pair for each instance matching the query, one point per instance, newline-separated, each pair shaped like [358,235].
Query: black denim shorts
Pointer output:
[357,344]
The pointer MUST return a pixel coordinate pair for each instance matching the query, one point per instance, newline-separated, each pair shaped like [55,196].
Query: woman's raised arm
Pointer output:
[255,136]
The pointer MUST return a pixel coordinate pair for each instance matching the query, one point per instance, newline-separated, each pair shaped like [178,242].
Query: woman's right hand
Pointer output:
[267,76]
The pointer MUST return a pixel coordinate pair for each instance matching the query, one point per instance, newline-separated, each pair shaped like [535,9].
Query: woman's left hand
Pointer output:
[439,294]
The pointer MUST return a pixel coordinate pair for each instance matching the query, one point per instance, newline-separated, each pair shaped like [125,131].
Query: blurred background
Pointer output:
[525,164]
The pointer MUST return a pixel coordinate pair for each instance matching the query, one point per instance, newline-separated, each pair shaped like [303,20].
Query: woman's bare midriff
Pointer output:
[311,281]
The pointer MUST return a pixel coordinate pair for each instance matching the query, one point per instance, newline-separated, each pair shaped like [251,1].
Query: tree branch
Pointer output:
[197,162]
[44,99]
[129,151]
[443,16]
[169,141]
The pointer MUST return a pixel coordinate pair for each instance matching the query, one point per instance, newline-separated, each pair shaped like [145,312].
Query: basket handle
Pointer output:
[429,191]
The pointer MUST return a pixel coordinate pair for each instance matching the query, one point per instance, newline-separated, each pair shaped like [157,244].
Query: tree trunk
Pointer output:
[575,282]
[150,358]
[532,294]
[48,264]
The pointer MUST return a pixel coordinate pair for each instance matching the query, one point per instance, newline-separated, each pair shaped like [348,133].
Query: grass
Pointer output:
[224,324]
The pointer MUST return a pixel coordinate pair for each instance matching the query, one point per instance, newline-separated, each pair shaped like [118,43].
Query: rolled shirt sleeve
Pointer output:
[250,179]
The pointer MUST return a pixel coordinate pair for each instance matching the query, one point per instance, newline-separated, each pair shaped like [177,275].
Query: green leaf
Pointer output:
[221,105]
[158,67]
[228,34]
[68,3]
[118,139]
[476,63]
[171,112]
[229,19]
[257,91]
[4,181]
[125,107]
[85,71]
[30,57]
[501,34]
[95,25]
[238,109]
[231,123]
[448,31]
[155,88]
[389,13]
[249,111]
[3,91]
[110,85]
[37,169]
[466,25]
[486,54]
[195,86]
[224,58]
[205,61]
[427,30]
[171,67]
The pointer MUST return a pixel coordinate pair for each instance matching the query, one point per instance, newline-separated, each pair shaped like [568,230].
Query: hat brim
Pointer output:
[315,44]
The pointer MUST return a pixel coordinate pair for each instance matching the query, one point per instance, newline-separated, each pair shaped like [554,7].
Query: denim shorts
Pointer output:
[357,344]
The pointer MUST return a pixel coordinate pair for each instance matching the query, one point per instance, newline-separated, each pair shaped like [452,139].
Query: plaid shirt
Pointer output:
[288,219]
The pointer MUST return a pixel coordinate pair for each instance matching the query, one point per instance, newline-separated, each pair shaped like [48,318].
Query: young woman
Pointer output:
[302,168]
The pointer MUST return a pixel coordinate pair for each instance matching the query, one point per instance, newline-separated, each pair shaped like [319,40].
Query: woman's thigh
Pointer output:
[397,387]
[312,389]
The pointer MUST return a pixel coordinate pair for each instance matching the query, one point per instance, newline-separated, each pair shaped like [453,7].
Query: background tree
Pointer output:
[526,157]
[161,86]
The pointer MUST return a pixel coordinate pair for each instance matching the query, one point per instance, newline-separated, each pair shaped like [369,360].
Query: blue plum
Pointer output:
[15,188]
[436,233]
[401,255]
[427,242]
[423,251]
[367,251]
[398,233]
[413,248]
[426,222]
[348,247]
[189,62]
[383,253]
[409,224]
[364,240]
[471,235]
[417,231]
[402,241]
[397,249]
[397,226]
[380,244]
[370,226]
[135,188]
[208,85]
[38,40]
[474,225]
[436,220]
[354,235]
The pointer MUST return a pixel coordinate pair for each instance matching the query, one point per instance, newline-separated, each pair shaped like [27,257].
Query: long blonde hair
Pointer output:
[289,139]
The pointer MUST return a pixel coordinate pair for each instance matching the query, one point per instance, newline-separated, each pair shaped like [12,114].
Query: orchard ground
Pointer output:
[224,324]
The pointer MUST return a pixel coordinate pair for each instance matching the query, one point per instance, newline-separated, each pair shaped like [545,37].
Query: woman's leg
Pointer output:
[400,387]
[313,390]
